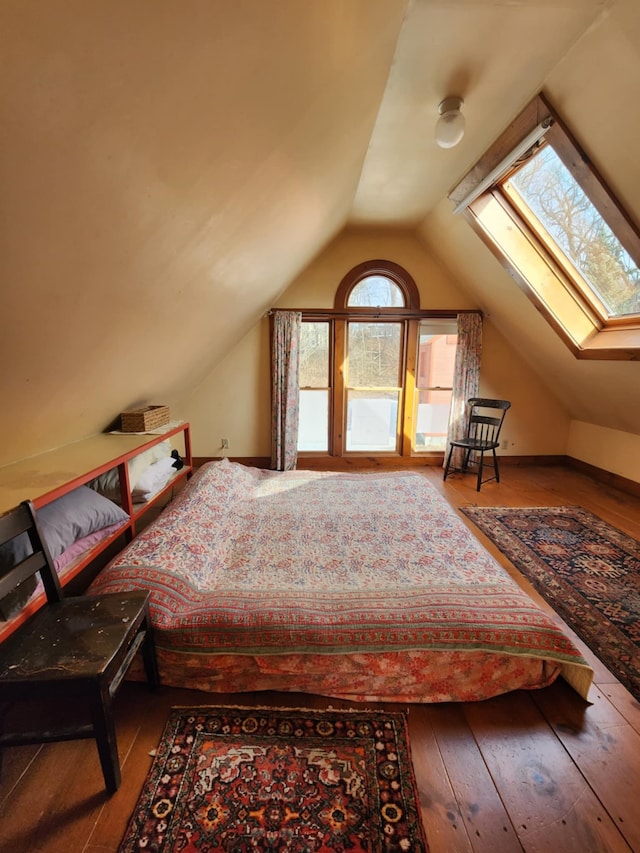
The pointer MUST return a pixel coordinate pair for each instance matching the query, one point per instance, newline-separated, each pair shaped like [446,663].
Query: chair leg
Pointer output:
[465,463]
[480,464]
[105,734]
[495,466]
[149,660]
[3,709]
[446,467]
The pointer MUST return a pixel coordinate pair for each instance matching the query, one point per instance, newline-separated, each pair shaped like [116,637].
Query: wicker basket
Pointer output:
[144,419]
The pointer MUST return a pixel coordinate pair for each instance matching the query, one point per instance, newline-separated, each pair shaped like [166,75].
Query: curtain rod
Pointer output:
[391,314]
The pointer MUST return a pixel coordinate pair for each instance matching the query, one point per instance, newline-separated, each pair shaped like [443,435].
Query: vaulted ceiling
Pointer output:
[167,167]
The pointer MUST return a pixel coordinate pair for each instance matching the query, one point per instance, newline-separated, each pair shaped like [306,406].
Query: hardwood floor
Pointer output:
[535,771]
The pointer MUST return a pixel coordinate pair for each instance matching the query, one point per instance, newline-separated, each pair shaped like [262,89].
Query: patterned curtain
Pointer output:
[466,380]
[285,388]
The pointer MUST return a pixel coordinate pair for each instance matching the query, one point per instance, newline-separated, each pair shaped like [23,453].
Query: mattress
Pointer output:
[366,586]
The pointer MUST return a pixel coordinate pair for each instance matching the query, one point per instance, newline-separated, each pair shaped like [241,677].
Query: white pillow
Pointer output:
[153,479]
[143,460]
[108,484]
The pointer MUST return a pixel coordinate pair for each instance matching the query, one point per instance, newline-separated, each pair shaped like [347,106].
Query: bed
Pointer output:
[364,586]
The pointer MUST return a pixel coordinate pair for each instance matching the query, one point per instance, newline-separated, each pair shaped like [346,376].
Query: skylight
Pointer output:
[572,227]
[538,202]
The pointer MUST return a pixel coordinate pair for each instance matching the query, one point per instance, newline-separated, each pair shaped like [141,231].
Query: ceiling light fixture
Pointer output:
[450,125]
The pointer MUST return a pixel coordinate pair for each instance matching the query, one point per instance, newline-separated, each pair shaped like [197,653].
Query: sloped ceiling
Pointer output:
[167,167]
[593,87]
[494,55]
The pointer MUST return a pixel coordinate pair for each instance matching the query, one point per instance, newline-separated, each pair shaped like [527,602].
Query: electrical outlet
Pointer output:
[225,444]
[505,443]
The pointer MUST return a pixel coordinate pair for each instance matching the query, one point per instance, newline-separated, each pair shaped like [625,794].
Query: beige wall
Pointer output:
[592,88]
[146,233]
[609,449]
[233,401]
[167,169]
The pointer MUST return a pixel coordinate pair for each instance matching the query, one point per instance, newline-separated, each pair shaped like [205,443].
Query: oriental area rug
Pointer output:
[274,779]
[588,571]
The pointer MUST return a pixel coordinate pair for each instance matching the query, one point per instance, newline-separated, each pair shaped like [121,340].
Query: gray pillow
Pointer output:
[62,522]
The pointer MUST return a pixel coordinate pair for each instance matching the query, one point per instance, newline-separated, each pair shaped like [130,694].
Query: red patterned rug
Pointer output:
[267,779]
[588,571]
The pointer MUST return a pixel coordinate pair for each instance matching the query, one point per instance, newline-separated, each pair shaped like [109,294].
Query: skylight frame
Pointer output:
[560,293]
[612,217]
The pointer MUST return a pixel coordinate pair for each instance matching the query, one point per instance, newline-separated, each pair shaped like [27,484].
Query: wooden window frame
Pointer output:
[559,292]
[386,269]
[339,316]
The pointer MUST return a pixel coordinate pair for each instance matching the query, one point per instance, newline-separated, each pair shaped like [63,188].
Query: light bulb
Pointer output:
[450,126]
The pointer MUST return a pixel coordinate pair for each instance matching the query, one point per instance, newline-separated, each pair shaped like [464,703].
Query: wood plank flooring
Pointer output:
[534,771]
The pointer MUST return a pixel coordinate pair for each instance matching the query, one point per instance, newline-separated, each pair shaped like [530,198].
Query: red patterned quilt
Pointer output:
[312,581]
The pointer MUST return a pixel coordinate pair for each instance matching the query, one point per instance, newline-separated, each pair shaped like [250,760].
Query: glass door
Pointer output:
[313,428]
[437,342]
[373,386]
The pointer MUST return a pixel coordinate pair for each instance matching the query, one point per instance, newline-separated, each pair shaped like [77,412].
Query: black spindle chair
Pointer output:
[486,417]
[75,649]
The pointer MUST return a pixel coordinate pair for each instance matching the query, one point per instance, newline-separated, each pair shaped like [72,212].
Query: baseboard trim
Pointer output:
[616,481]
[355,463]
[249,461]
[352,463]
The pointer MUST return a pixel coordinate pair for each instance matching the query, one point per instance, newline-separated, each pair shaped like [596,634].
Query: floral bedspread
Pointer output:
[333,566]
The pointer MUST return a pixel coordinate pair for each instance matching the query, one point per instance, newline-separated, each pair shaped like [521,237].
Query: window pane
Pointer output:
[376,291]
[373,382]
[372,420]
[434,381]
[313,428]
[566,213]
[374,355]
[314,355]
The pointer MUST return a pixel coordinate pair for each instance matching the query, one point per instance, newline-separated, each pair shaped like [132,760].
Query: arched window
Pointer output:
[376,291]
[374,379]
[377,284]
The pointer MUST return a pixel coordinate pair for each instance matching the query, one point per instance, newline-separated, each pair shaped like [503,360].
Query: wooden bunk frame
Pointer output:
[48,476]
